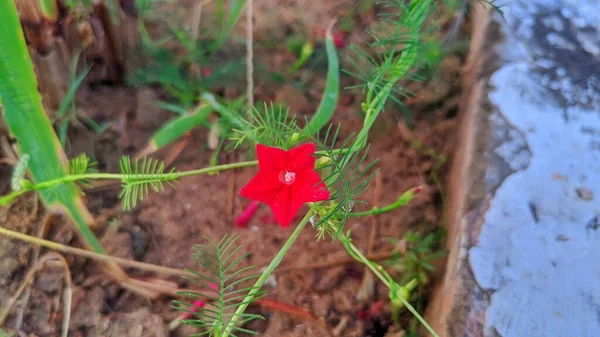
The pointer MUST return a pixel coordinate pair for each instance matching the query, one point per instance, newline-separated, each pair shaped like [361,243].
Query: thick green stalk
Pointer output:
[266,273]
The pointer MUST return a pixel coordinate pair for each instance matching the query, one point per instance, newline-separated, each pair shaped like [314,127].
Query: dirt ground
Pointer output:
[163,229]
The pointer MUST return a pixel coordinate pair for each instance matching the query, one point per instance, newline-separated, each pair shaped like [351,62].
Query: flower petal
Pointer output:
[270,159]
[310,188]
[301,158]
[285,206]
[262,187]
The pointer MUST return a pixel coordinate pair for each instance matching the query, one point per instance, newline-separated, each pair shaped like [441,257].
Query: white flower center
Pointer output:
[287,177]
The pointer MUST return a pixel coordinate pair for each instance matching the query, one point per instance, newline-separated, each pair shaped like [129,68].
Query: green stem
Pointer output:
[6,199]
[402,200]
[118,176]
[384,277]
[266,273]
[378,210]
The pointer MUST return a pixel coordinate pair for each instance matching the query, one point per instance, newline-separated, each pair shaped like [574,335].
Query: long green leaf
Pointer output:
[177,127]
[28,122]
[332,90]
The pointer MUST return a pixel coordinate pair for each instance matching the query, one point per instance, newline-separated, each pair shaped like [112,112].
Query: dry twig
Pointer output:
[249,55]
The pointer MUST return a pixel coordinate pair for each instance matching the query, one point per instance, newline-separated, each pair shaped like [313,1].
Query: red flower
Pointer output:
[286,180]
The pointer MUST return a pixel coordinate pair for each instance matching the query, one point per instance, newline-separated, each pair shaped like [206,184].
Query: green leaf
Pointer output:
[403,28]
[305,53]
[178,109]
[232,118]
[177,127]
[235,11]
[222,273]
[29,124]
[332,89]
[140,177]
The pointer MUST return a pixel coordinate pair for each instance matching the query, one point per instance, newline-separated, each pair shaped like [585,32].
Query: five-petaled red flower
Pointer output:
[286,180]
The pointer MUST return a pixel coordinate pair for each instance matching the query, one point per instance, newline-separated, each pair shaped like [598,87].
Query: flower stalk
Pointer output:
[266,273]
[397,292]
[402,200]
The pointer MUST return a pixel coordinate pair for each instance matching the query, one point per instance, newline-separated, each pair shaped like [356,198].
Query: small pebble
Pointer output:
[584,194]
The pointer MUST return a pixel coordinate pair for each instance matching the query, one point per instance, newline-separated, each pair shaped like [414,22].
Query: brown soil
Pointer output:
[165,226]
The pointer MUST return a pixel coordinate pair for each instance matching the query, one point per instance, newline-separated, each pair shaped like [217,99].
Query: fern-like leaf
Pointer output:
[272,125]
[349,176]
[223,281]
[143,175]
[81,165]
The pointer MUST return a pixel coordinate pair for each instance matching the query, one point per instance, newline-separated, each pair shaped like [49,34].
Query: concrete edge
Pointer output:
[452,311]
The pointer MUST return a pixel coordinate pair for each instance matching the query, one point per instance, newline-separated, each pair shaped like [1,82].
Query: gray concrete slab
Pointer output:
[538,254]
[534,255]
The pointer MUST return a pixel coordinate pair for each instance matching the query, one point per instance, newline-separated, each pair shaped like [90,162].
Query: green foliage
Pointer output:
[332,88]
[275,127]
[229,21]
[223,279]
[391,57]
[271,126]
[81,165]
[177,127]
[230,113]
[143,175]
[29,124]
[67,111]
[415,261]
[307,50]
[347,177]
[179,73]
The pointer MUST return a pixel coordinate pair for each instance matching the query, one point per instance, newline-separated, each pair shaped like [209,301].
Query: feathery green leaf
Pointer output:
[222,273]
[139,178]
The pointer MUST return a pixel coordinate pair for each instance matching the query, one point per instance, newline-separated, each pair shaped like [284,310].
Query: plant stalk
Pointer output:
[385,278]
[118,176]
[402,200]
[266,273]
[6,199]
